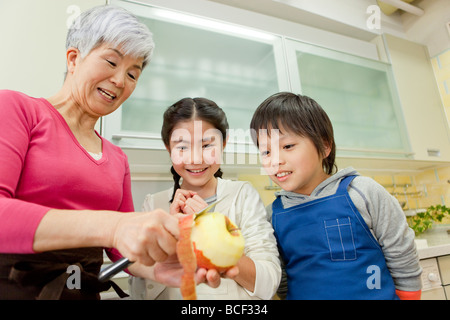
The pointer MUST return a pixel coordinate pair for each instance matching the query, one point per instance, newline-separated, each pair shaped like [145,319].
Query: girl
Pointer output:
[194,132]
[341,236]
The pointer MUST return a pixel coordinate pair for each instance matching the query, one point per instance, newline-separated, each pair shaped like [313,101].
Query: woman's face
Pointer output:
[196,152]
[102,80]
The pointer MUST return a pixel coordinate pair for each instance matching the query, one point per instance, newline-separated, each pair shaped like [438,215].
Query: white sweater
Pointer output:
[243,205]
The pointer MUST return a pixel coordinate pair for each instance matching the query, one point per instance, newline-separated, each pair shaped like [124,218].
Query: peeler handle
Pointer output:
[111,270]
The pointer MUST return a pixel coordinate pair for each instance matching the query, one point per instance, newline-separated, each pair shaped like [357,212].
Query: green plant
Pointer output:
[423,221]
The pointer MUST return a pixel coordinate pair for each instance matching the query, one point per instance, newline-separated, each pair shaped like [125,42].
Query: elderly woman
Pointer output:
[64,190]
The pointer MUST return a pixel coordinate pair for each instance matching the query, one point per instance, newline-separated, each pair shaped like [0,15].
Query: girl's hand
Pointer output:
[187,202]
[194,204]
[170,271]
[179,200]
[212,277]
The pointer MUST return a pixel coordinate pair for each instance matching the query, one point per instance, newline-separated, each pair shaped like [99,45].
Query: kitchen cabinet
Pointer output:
[423,109]
[194,57]
[444,265]
[435,263]
[358,95]
[378,116]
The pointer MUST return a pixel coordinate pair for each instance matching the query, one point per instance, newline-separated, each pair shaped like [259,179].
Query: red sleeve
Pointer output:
[127,200]
[18,219]
[409,295]
[127,206]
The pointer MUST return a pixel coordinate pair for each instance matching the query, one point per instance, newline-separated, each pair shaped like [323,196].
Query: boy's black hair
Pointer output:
[300,115]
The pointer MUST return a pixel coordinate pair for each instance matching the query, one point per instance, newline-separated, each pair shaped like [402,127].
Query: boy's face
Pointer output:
[292,161]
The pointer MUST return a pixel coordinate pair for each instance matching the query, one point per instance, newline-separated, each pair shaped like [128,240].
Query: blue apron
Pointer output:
[329,252]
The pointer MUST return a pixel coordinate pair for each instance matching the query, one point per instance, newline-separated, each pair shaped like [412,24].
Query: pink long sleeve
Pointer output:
[18,218]
[42,166]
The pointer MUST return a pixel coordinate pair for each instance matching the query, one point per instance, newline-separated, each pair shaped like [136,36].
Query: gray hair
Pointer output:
[114,25]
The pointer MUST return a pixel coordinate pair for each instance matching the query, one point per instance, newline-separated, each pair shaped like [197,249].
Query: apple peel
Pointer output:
[210,241]
[187,258]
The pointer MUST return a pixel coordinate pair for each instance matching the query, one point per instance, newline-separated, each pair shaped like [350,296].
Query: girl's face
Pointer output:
[292,161]
[102,80]
[196,149]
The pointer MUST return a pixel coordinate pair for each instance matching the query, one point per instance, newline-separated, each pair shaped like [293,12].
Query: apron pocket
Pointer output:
[340,239]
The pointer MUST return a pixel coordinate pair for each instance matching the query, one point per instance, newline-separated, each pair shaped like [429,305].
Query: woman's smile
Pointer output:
[106,94]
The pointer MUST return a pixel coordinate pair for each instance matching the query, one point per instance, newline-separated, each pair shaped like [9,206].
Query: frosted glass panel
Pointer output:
[357,98]
[236,73]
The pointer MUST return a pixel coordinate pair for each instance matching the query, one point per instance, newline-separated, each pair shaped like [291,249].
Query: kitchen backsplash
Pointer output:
[418,191]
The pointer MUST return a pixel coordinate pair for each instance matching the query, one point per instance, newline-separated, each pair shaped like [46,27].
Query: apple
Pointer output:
[210,241]
[218,243]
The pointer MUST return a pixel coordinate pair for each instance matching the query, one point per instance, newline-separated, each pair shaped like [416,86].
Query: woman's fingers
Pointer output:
[147,237]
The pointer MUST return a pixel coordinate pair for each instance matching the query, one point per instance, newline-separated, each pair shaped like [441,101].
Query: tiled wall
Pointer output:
[418,191]
[421,190]
[263,184]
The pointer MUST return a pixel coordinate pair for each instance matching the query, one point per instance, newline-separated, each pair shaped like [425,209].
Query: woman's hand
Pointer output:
[146,237]
[186,202]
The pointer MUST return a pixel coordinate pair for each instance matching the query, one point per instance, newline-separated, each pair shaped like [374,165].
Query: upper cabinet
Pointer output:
[235,67]
[358,95]
[423,107]
[383,112]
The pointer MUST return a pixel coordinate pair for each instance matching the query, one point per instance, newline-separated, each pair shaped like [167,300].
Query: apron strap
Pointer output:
[343,185]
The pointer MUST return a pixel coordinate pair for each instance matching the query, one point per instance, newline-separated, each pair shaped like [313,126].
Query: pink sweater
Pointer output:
[42,166]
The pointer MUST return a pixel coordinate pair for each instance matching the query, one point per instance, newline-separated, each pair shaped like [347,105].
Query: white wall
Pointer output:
[430,29]
[32,47]
[140,188]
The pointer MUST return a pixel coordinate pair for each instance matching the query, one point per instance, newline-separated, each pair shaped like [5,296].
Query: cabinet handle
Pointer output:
[156,137]
[132,136]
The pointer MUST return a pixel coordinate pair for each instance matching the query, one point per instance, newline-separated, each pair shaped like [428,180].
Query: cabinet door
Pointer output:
[444,267]
[195,57]
[358,95]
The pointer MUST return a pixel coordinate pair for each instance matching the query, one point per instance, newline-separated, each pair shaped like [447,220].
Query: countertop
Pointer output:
[434,242]
[435,251]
